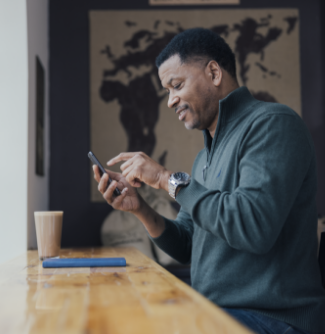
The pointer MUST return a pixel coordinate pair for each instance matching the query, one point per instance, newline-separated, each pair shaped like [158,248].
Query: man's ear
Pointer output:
[214,72]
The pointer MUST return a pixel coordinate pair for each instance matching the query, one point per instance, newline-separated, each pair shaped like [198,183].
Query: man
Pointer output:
[248,218]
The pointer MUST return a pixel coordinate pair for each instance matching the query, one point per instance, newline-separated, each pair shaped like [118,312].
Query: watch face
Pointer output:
[181,176]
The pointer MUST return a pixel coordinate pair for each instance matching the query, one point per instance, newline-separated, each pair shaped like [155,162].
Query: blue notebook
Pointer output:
[85,262]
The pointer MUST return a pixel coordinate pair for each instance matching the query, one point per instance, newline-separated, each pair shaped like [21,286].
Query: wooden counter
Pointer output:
[141,298]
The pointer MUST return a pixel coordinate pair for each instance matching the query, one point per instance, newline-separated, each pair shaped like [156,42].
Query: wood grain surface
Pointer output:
[141,298]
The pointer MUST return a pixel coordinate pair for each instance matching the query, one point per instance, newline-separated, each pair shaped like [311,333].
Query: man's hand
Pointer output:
[129,200]
[138,167]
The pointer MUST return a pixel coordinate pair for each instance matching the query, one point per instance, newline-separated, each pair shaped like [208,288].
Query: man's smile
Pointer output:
[181,111]
[182,114]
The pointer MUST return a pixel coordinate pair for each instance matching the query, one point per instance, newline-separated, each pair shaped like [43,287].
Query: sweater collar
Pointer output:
[234,105]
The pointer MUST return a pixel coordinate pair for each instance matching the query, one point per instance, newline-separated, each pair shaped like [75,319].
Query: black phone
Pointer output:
[102,171]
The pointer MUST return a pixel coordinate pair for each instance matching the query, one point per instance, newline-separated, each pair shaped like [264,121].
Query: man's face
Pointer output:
[191,92]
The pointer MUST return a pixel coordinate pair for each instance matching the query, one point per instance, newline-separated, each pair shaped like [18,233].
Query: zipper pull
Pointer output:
[204,172]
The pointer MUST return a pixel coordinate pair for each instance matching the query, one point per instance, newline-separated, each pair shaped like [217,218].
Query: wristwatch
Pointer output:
[176,180]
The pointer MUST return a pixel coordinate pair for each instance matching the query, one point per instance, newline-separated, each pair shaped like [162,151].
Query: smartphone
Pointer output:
[102,171]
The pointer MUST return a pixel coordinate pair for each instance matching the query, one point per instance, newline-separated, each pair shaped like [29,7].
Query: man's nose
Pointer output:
[173,101]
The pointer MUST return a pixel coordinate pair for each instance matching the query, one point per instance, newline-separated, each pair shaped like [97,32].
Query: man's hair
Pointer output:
[199,43]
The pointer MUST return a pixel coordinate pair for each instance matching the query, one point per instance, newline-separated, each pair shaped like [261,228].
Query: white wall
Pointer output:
[13,128]
[21,191]
[38,186]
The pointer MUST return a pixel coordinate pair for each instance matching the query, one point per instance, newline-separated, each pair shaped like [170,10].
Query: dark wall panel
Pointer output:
[69,104]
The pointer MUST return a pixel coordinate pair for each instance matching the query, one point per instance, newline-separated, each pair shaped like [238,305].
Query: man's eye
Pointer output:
[177,86]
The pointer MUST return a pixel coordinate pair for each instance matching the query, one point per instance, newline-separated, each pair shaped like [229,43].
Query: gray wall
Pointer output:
[38,45]
[69,104]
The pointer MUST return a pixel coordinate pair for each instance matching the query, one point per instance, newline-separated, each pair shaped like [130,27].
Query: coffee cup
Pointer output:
[48,233]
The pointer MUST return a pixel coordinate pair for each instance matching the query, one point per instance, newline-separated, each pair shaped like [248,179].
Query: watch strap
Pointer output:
[172,186]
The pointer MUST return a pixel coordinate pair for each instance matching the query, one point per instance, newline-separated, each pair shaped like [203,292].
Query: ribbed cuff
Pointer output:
[165,236]
[170,241]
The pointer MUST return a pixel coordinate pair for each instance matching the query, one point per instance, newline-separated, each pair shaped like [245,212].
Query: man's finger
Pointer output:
[121,157]
[133,176]
[127,171]
[136,183]
[133,180]
[96,173]
[127,163]
[113,175]
[118,200]
[102,185]
[109,193]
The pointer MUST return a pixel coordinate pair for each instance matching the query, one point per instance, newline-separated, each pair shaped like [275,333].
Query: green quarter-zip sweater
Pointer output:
[248,218]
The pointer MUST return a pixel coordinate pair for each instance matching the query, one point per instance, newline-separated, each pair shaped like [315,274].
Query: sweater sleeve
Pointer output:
[176,240]
[273,159]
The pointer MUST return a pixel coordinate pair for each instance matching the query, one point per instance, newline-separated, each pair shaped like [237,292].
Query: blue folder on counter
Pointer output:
[85,262]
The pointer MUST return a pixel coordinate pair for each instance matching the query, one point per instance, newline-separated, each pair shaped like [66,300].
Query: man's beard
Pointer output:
[195,122]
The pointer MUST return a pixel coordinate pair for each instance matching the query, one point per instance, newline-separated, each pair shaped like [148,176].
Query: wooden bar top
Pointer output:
[140,298]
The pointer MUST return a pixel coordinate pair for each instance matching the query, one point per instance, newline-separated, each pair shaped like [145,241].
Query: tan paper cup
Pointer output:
[48,232]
